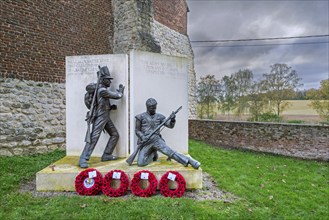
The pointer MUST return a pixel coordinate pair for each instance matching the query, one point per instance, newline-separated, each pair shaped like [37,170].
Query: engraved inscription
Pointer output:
[84,66]
[162,68]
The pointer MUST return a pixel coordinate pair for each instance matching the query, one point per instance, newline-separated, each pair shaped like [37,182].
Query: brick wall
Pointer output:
[37,35]
[172,13]
[304,141]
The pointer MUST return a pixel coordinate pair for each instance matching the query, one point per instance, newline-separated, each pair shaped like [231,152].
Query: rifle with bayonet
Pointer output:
[91,114]
[141,145]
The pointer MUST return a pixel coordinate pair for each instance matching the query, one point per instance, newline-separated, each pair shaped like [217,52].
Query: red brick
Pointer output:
[37,35]
[172,13]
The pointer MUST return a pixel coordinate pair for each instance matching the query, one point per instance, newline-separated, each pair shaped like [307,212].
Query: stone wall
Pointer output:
[37,35]
[132,26]
[303,141]
[176,44]
[136,27]
[32,117]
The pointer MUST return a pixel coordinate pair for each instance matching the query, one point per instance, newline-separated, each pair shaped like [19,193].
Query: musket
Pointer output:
[140,146]
[90,116]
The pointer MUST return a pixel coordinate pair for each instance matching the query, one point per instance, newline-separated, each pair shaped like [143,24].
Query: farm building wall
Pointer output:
[37,35]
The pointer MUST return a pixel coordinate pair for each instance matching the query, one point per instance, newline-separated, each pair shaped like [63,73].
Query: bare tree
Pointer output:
[257,100]
[207,95]
[280,84]
[321,100]
[243,81]
[228,96]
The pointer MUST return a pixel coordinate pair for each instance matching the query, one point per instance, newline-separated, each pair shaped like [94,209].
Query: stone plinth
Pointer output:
[60,176]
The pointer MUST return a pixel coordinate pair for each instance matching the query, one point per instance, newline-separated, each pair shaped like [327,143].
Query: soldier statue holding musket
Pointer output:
[147,129]
[97,99]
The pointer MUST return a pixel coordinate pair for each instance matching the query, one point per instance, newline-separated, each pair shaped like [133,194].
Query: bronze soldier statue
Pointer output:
[97,99]
[147,129]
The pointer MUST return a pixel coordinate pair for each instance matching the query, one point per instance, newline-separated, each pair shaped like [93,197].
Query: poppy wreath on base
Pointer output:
[135,184]
[174,176]
[109,177]
[89,182]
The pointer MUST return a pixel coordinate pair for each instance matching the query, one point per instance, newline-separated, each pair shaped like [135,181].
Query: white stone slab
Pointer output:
[80,71]
[164,78]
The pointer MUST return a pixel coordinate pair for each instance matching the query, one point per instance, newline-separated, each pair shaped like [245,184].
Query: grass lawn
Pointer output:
[269,187]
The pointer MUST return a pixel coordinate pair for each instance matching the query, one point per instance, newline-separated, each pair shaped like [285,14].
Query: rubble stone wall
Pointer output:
[32,117]
[303,141]
[151,28]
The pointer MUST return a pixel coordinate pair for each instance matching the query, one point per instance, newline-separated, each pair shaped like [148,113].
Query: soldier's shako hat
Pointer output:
[105,73]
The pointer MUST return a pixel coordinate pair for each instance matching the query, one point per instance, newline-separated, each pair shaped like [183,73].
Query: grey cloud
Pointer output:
[211,20]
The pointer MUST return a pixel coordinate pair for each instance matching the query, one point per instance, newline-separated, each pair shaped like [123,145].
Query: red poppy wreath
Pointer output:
[109,177]
[174,176]
[135,183]
[89,182]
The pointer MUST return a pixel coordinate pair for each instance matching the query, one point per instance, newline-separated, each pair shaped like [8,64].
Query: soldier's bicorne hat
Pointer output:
[105,73]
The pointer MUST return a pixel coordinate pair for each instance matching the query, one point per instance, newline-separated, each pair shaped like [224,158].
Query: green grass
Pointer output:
[296,121]
[15,170]
[273,186]
[269,187]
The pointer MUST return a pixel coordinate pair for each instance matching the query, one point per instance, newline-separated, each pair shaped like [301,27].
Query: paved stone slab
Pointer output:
[60,176]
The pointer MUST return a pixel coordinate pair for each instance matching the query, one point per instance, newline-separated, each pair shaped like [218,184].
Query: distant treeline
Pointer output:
[266,97]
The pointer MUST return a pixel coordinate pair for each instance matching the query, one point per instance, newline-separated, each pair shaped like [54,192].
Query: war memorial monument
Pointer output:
[138,102]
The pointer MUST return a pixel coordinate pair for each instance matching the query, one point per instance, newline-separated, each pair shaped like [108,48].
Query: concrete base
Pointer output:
[60,176]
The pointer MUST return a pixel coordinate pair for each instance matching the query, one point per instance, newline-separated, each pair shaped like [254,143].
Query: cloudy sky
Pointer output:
[233,20]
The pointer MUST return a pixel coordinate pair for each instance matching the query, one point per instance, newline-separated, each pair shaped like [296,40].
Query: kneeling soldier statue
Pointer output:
[97,99]
[148,125]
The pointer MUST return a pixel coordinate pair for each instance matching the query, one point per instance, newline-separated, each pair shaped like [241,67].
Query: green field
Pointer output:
[297,110]
[299,107]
